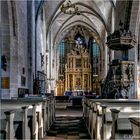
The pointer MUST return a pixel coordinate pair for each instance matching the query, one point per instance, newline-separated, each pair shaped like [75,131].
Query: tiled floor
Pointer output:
[69,125]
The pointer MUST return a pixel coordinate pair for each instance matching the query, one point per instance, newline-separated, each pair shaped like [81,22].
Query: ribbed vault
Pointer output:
[94,15]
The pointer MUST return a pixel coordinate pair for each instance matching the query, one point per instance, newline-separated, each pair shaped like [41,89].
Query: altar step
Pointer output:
[68,128]
[68,125]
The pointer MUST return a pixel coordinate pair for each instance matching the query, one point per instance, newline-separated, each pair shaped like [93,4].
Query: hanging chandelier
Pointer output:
[70,8]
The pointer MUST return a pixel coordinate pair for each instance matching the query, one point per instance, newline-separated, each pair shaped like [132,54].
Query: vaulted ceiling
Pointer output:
[95,17]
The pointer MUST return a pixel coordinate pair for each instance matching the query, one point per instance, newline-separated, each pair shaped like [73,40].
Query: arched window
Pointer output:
[61,49]
[80,40]
[95,56]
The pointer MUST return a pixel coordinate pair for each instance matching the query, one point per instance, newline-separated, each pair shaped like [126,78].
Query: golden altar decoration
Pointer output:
[78,70]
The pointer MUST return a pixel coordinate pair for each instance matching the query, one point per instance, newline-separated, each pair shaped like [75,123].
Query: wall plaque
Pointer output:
[5,82]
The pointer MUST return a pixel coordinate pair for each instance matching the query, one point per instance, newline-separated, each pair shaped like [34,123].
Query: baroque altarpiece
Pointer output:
[78,70]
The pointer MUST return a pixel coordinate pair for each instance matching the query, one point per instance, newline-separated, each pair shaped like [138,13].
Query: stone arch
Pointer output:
[76,23]
[101,17]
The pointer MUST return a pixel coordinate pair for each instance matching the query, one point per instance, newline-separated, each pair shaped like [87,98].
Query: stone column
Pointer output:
[25,123]
[10,125]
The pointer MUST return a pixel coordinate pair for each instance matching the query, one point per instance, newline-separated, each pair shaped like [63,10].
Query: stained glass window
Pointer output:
[61,50]
[80,40]
[96,52]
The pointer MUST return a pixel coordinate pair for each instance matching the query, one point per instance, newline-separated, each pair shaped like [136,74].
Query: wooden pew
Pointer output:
[135,123]
[90,114]
[107,118]
[101,116]
[121,126]
[9,125]
[94,117]
[29,109]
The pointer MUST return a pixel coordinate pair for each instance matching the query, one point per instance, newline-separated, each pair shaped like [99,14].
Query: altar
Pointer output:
[78,70]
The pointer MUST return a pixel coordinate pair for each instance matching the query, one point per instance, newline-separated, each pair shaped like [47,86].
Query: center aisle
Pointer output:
[68,125]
